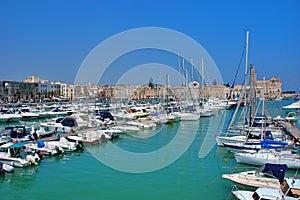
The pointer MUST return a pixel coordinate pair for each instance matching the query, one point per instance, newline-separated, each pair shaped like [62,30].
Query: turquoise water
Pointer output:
[80,175]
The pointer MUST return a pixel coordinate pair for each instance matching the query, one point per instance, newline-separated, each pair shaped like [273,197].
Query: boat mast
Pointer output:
[167,92]
[245,78]
[263,111]
[202,82]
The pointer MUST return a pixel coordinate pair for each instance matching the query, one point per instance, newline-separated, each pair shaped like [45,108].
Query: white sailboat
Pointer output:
[270,176]
[264,156]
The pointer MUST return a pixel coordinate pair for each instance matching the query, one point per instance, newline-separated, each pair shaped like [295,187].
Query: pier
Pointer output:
[293,131]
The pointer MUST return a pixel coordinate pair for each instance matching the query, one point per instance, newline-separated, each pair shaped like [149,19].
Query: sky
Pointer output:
[51,39]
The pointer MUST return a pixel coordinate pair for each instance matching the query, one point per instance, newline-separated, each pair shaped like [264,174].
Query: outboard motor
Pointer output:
[1,169]
[4,168]
[79,146]
[59,150]
[40,154]
[32,159]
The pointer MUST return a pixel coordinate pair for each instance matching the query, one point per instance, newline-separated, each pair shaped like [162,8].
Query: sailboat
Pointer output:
[237,133]
[254,127]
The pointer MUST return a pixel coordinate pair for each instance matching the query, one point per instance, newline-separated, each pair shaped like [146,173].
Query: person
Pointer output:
[23,152]
[35,136]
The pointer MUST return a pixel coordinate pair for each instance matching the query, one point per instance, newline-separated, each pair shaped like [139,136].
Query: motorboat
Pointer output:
[188,116]
[56,112]
[294,107]
[143,123]
[14,154]
[62,124]
[137,112]
[112,132]
[27,113]
[44,148]
[13,117]
[18,132]
[289,190]
[126,128]
[41,132]
[291,117]
[104,116]
[90,136]
[270,176]
[64,144]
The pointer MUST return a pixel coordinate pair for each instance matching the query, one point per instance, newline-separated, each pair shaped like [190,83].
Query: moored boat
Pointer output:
[289,190]
[270,175]
[14,154]
[264,156]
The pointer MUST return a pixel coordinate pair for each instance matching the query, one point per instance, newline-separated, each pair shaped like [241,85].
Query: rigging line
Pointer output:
[238,67]
[236,74]
[233,83]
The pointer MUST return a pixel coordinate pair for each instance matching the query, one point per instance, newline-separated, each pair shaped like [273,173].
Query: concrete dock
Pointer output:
[292,130]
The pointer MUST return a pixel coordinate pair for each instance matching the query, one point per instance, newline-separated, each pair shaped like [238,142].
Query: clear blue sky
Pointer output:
[50,39]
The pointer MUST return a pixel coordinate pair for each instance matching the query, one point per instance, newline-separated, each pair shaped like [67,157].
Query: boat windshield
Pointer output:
[255,196]
[288,191]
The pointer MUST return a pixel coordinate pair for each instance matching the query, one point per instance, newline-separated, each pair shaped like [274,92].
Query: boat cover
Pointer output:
[68,121]
[277,170]
[273,144]
[40,144]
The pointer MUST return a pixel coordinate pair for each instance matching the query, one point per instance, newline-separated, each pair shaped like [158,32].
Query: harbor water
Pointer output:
[81,175]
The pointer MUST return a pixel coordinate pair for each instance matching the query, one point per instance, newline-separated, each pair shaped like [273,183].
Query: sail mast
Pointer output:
[245,78]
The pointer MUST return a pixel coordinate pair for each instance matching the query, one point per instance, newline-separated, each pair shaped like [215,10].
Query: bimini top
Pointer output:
[14,145]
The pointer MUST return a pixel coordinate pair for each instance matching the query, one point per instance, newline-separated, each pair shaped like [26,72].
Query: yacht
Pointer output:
[27,113]
[292,107]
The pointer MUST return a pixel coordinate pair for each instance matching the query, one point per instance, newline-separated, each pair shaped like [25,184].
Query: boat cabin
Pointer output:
[103,115]
[137,112]
[291,188]
[267,194]
[17,131]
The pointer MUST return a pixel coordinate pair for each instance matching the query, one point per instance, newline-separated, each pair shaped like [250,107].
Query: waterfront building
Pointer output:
[218,91]
[14,91]
[273,88]
[46,89]
[106,92]
[32,79]
[67,91]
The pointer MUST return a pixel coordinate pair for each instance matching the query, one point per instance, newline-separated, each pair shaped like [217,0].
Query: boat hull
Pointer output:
[261,159]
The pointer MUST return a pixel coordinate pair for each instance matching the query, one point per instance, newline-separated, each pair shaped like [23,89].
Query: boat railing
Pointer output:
[240,169]
[236,189]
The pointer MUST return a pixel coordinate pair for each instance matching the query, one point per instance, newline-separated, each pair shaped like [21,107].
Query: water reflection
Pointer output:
[22,178]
